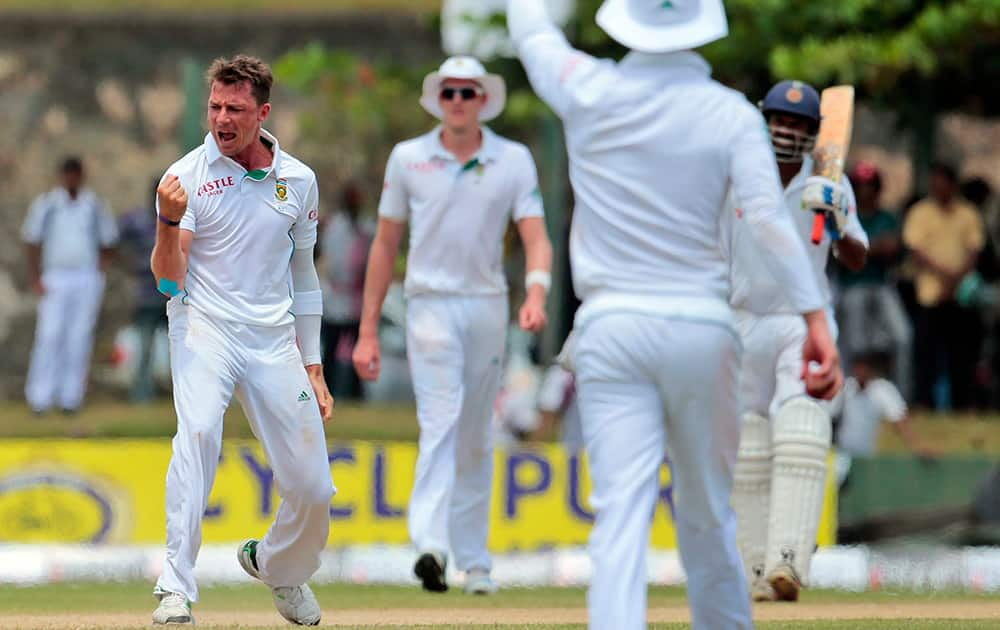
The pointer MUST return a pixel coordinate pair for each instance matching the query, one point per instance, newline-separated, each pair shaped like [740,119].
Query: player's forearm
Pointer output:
[526,18]
[538,254]
[378,277]
[168,262]
[905,433]
[852,253]
[785,256]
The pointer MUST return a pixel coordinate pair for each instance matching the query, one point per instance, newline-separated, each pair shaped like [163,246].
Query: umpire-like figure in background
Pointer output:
[69,234]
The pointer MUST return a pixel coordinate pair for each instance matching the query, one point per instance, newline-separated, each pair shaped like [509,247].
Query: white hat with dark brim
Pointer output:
[465,68]
[659,26]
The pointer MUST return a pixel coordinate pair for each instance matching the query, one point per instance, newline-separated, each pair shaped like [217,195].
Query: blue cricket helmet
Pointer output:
[792,97]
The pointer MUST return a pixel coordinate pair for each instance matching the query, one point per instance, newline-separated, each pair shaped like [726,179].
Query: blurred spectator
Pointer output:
[69,234]
[945,235]
[870,307]
[978,192]
[138,235]
[344,247]
[869,399]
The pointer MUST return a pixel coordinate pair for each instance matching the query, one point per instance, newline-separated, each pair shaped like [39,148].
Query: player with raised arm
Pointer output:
[781,470]
[234,252]
[655,145]
[458,188]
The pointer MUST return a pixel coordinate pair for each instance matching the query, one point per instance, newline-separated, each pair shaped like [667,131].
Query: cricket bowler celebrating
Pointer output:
[457,187]
[781,470]
[655,146]
[234,250]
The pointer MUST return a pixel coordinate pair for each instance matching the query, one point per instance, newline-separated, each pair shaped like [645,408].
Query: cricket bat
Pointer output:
[834,140]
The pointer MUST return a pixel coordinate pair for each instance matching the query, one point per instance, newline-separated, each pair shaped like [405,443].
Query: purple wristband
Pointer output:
[167,221]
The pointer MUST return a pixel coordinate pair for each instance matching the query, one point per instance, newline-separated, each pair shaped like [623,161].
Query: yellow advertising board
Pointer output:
[112,491]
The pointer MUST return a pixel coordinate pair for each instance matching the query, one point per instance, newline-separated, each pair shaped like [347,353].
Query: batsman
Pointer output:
[781,468]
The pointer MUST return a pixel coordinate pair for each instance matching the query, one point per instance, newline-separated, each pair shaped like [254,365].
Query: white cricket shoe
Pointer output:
[297,604]
[761,591]
[174,609]
[479,582]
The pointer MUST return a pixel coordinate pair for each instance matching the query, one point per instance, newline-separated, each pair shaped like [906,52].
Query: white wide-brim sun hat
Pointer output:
[659,26]
[465,68]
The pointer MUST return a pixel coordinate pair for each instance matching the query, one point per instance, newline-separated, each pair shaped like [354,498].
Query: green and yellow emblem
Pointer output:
[281,190]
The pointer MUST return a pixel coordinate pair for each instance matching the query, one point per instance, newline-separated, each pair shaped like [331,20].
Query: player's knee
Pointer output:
[802,431]
[316,491]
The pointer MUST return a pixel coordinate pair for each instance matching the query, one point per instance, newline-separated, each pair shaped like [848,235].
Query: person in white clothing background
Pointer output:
[654,148]
[234,252]
[869,399]
[786,434]
[457,187]
[70,235]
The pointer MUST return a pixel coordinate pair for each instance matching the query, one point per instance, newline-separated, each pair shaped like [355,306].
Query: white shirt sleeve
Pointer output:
[561,75]
[853,228]
[107,227]
[304,230]
[758,192]
[395,202]
[34,222]
[887,400]
[527,194]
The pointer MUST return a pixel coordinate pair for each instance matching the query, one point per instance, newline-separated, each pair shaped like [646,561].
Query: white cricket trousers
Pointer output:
[455,344]
[64,338]
[209,361]
[651,386]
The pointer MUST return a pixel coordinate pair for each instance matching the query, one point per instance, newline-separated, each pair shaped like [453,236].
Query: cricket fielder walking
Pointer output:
[655,146]
[781,470]
[458,188]
[234,251]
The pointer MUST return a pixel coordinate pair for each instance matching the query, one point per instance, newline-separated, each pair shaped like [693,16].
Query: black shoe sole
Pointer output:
[431,574]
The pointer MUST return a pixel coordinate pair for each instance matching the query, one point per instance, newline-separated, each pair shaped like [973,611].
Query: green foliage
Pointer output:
[357,110]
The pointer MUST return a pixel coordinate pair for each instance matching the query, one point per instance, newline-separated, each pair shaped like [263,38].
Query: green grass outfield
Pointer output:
[122,605]
[968,435]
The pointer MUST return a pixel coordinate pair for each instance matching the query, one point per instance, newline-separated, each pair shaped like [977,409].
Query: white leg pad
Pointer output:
[752,492]
[801,436]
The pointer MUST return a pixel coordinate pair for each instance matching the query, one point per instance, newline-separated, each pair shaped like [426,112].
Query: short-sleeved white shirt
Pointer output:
[458,213]
[70,231]
[246,226]
[864,410]
[754,288]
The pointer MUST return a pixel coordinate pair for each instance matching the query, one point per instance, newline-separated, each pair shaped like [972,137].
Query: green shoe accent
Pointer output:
[251,550]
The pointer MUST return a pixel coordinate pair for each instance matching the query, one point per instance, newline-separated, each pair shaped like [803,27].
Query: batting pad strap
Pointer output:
[307,303]
[307,329]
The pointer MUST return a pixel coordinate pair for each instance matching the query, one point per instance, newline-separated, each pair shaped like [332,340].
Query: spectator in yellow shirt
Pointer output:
[945,235]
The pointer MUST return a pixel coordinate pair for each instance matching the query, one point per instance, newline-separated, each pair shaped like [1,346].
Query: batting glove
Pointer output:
[824,195]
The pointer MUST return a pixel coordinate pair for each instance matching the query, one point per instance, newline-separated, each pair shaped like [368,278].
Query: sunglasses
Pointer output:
[467,93]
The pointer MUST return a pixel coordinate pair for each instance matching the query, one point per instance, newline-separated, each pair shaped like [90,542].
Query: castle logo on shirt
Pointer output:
[281,189]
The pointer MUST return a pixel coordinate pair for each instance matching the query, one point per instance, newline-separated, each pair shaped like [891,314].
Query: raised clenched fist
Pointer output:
[173,198]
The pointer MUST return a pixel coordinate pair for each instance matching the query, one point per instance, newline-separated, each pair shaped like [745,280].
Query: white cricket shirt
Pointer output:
[864,411]
[246,226]
[655,145]
[756,290]
[458,213]
[70,231]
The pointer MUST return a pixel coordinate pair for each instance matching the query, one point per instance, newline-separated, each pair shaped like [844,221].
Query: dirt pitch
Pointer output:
[526,617]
